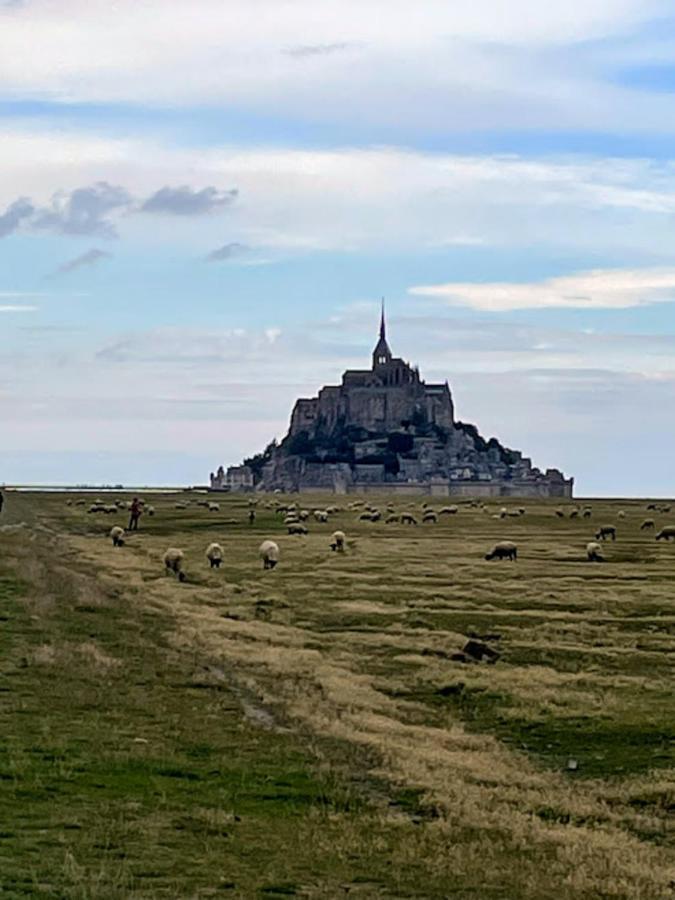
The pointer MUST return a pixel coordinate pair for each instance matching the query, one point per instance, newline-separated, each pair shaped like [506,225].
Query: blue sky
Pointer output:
[201,205]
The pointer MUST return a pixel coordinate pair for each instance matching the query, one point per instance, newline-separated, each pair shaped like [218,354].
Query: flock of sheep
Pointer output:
[295,521]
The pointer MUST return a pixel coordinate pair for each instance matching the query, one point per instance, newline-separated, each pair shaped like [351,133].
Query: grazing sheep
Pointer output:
[586,513]
[173,562]
[214,554]
[522,510]
[96,508]
[449,511]
[150,510]
[560,513]
[503,512]
[297,528]
[269,553]
[69,502]
[213,507]
[667,533]
[320,515]
[429,516]
[180,506]
[604,532]
[647,525]
[303,515]
[117,536]
[621,514]
[503,550]
[392,520]
[575,513]
[407,519]
[337,541]
[594,552]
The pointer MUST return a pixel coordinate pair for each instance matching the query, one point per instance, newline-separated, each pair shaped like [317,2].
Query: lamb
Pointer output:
[117,536]
[503,550]
[296,528]
[173,562]
[647,525]
[337,541]
[667,533]
[214,554]
[604,532]
[269,553]
[594,552]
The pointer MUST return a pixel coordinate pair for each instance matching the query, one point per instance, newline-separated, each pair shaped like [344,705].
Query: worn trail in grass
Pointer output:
[397,763]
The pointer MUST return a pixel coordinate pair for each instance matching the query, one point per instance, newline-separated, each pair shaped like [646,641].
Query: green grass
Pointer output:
[374,764]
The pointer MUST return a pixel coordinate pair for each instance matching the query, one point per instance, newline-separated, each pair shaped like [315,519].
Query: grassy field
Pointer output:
[315,730]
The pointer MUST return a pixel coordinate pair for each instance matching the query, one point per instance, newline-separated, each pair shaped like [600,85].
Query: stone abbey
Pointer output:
[385,428]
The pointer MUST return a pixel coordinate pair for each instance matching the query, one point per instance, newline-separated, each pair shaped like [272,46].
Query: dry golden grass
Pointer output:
[357,647]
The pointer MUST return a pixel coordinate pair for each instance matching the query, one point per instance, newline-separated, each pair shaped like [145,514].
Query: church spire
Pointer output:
[382,353]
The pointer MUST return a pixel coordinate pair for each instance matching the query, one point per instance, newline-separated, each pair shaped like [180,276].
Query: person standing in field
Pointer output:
[2,501]
[135,514]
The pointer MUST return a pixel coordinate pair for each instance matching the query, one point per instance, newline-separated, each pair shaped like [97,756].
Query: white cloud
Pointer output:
[297,201]
[484,63]
[600,289]
[12,308]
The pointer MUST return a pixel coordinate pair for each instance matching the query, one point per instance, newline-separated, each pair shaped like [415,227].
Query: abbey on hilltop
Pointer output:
[384,428]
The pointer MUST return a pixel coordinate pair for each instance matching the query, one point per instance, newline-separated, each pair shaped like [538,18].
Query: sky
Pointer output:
[202,203]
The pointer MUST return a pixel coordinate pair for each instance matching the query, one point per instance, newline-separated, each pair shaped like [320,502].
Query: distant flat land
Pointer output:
[306,731]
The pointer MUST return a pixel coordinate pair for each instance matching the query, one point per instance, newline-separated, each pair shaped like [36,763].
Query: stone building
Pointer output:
[237,478]
[384,428]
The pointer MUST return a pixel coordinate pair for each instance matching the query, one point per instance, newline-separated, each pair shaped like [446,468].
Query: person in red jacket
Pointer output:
[135,513]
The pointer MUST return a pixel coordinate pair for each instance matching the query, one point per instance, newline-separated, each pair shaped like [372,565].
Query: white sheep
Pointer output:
[503,550]
[320,515]
[173,562]
[214,554]
[150,510]
[667,533]
[429,517]
[214,507]
[337,541]
[449,511]
[269,553]
[117,536]
[594,552]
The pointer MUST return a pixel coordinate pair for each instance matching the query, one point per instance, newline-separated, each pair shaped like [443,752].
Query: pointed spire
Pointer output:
[383,326]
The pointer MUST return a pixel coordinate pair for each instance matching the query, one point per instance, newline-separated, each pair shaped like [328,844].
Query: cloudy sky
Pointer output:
[201,204]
